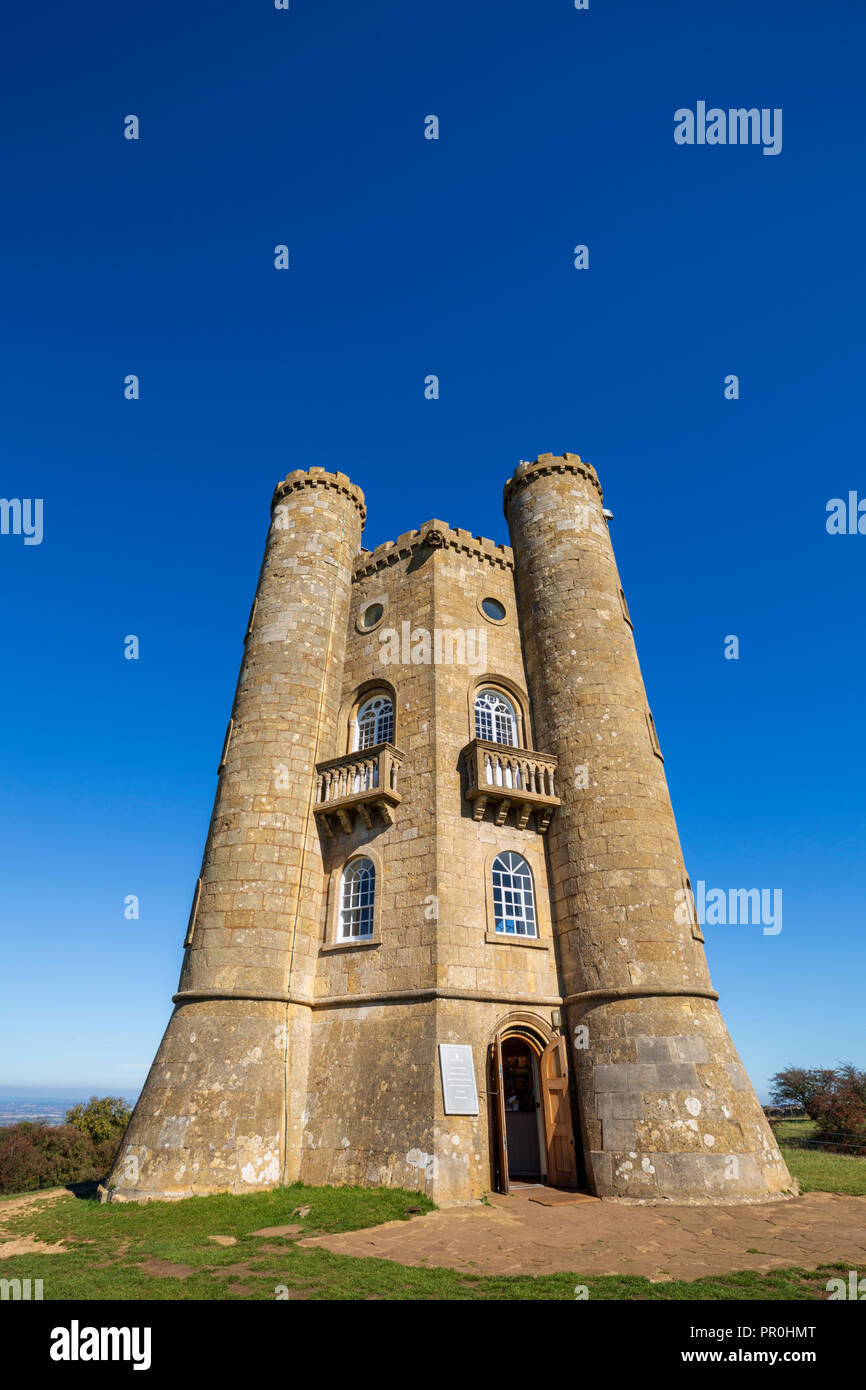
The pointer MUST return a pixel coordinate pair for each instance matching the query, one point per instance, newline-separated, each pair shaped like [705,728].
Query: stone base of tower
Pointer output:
[222,1105]
[246,1095]
[668,1112]
[374,1110]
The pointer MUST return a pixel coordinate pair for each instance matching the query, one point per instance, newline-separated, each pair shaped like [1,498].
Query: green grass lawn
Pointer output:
[815,1169]
[115,1252]
[793,1129]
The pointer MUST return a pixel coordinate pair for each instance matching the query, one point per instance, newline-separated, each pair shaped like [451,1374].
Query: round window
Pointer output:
[372,615]
[493,609]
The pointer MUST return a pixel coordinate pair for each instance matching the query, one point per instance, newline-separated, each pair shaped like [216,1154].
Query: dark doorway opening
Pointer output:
[523,1120]
[532,1135]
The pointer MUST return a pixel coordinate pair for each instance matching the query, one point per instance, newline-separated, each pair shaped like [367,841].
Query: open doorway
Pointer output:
[532,1135]
[524,1125]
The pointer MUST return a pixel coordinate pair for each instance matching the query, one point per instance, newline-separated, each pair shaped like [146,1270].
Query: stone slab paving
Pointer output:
[516,1235]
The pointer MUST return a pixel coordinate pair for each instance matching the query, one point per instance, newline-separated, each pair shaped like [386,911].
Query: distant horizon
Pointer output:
[62,1091]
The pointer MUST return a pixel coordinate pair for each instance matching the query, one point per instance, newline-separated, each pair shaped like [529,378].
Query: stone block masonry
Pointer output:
[304,1039]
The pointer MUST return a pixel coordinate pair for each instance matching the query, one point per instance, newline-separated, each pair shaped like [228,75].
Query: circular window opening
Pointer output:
[372,615]
[493,609]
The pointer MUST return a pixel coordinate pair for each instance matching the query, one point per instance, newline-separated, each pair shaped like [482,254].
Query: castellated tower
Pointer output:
[443,937]
[222,1105]
[667,1110]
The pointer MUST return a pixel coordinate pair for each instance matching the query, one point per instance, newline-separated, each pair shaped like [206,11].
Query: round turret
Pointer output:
[666,1108]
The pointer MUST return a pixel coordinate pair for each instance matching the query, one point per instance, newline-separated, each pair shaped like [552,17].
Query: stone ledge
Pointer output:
[397,996]
[353,944]
[591,998]
[501,938]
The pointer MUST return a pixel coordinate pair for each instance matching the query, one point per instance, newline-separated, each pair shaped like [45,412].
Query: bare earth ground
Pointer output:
[520,1234]
[25,1246]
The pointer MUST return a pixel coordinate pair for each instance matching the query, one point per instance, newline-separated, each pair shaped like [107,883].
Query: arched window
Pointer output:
[513,896]
[374,723]
[495,719]
[357,898]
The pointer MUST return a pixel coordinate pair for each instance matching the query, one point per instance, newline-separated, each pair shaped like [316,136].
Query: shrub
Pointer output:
[102,1118]
[840,1110]
[36,1156]
[21,1164]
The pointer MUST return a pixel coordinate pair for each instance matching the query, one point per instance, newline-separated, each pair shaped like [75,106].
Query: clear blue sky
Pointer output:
[410,257]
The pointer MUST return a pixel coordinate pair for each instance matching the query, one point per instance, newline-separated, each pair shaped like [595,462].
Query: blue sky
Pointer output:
[409,257]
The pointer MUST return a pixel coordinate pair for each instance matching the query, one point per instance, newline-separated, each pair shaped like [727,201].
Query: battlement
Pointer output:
[320,477]
[545,464]
[433,535]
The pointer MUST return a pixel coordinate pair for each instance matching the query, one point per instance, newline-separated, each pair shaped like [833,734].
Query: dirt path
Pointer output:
[26,1245]
[518,1235]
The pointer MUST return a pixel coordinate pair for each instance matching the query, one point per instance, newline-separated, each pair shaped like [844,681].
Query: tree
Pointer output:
[801,1085]
[841,1108]
[34,1156]
[102,1118]
[856,1080]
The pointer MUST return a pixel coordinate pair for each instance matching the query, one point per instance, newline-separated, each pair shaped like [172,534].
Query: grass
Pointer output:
[794,1129]
[109,1245]
[816,1170]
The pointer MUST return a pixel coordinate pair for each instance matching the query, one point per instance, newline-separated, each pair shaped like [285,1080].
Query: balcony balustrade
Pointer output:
[510,778]
[358,785]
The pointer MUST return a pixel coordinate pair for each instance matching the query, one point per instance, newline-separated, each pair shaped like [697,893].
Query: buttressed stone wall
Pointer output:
[293,1052]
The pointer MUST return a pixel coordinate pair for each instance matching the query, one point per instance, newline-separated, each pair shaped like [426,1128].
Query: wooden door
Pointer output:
[498,1099]
[558,1128]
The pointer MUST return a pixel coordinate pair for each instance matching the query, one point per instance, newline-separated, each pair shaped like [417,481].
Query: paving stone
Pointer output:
[516,1235]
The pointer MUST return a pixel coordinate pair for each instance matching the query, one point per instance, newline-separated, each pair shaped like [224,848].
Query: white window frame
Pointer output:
[513,896]
[357,900]
[485,702]
[379,721]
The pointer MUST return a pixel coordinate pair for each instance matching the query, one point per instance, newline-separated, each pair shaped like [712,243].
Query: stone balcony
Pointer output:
[510,779]
[362,785]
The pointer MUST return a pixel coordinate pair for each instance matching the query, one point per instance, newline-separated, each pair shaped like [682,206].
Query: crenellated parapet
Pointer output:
[320,477]
[543,467]
[433,535]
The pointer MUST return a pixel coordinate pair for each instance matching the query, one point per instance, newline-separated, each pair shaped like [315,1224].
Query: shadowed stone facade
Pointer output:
[296,1052]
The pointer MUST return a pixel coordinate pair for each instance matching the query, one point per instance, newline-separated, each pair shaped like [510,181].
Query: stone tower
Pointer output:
[222,1105]
[666,1107]
[443,937]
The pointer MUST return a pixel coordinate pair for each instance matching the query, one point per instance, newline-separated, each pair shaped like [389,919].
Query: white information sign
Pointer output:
[458,1079]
